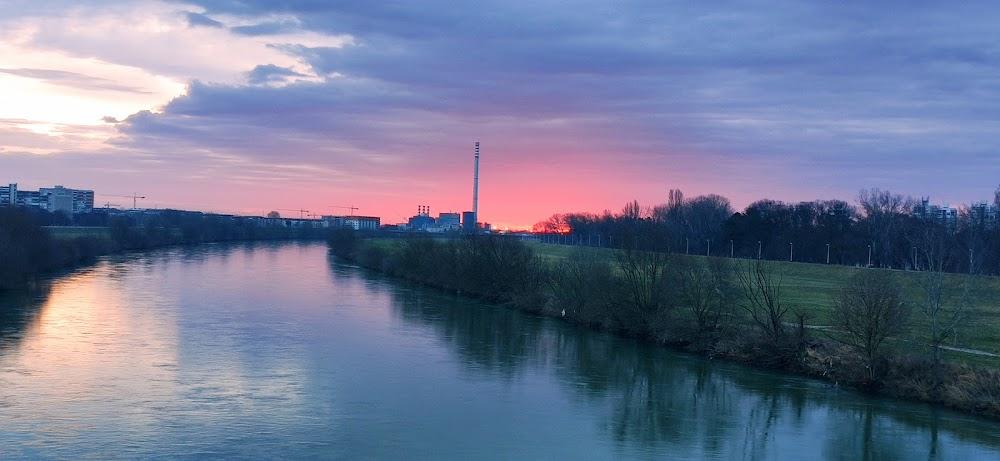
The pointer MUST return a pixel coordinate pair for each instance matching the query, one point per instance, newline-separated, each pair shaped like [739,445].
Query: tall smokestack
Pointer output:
[475,189]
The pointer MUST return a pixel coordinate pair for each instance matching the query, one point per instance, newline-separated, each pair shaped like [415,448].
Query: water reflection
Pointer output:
[660,402]
[19,311]
[276,351]
[145,354]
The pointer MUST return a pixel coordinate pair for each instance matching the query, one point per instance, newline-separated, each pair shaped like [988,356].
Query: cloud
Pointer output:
[270,73]
[267,28]
[200,20]
[773,98]
[73,79]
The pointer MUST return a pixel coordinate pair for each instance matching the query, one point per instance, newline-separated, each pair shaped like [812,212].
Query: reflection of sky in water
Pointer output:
[268,351]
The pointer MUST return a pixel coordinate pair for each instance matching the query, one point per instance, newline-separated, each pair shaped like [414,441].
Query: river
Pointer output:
[263,351]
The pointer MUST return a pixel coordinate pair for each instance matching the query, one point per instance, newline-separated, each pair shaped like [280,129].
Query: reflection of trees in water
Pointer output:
[494,340]
[864,433]
[19,310]
[655,398]
[670,403]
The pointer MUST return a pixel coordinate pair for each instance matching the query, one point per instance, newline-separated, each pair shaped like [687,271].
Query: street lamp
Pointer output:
[790,247]
[758,249]
[828,253]
[731,247]
[869,256]
[687,247]
[708,252]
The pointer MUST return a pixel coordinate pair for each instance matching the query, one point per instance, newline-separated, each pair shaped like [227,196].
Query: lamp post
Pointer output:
[731,248]
[687,245]
[708,252]
[758,249]
[790,247]
[869,256]
[828,253]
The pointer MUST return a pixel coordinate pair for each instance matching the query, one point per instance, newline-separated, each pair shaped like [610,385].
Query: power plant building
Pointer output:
[469,221]
[449,220]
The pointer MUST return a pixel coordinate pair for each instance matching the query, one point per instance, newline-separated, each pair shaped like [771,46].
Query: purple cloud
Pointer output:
[790,100]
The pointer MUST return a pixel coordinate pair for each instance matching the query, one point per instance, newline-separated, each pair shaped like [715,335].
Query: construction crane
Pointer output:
[302,213]
[134,198]
[352,208]
[109,205]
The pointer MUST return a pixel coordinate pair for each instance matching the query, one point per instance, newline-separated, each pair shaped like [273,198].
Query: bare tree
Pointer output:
[702,286]
[884,220]
[694,221]
[761,289]
[943,296]
[642,262]
[632,211]
[582,284]
[867,311]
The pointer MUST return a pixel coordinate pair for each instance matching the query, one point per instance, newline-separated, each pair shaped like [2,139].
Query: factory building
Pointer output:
[468,221]
[449,221]
[422,220]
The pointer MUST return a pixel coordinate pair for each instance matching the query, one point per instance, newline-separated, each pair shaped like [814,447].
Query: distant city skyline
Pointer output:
[247,107]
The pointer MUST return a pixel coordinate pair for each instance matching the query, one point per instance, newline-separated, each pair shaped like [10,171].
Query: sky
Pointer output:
[248,106]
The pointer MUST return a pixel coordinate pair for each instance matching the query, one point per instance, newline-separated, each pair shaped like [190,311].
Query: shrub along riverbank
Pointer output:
[717,307]
[27,249]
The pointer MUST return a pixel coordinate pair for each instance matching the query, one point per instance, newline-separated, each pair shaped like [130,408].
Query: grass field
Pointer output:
[68,232]
[810,288]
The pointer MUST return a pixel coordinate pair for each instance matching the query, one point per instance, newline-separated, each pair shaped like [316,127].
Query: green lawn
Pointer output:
[810,288]
[68,232]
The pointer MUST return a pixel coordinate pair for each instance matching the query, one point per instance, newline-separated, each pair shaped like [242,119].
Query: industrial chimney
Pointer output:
[475,190]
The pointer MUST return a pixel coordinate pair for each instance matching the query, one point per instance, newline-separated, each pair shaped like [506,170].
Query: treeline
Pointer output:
[498,270]
[28,249]
[718,307]
[172,227]
[884,230]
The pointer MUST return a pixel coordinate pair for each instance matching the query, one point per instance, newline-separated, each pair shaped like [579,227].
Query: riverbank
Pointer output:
[29,250]
[691,305]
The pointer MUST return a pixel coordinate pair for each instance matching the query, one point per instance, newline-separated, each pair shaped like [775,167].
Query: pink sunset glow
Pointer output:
[247,108]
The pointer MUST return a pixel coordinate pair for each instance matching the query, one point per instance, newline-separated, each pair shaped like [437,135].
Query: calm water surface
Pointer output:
[276,351]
